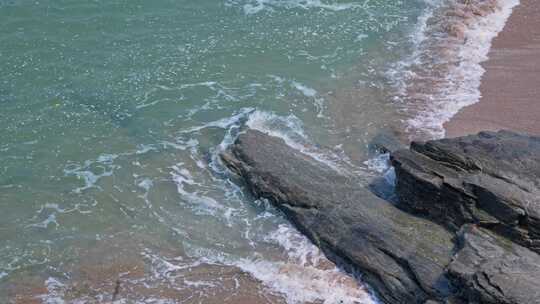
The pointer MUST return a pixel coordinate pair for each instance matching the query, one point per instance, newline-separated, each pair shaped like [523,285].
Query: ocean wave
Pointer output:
[310,93]
[287,127]
[55,291]
[256,6]
[302,275]
[203,203]
[443,73]
[92,170]
[298,271]
[290,129]
[307,276]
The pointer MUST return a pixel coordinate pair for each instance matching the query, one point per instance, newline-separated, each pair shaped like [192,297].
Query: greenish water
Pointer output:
[113,112]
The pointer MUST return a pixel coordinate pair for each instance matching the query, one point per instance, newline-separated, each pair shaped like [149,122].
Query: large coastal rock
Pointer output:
[490,179]
[484,188]
[403,257]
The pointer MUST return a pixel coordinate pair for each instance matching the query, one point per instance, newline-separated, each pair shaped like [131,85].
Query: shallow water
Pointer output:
[113,114]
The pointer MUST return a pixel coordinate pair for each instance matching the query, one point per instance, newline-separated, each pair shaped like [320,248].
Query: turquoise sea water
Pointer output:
[112,115]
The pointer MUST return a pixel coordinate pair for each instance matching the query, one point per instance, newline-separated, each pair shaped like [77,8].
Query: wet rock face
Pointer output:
[490,179]
[387,141]
[347,221]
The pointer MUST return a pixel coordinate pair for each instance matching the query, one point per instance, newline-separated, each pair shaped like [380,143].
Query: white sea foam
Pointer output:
[47,215]
[306,284]
[290,129]
[55,292]
[183,179]
[146,184]
[143,149]
[256,6]
[163,268]
[297,246]
[307,91]
[311,93]
[181,145]
[51,219]
[92,170]
[304,275]
[379,163]
[443,75]
[218,93]
[223,123]
[307,276]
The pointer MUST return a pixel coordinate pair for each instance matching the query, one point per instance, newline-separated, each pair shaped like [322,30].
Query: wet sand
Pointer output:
[123,269]
[511,85]
[115,269]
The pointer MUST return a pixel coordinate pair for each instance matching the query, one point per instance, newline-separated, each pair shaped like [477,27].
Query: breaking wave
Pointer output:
[443,73]
[256,6]
[307,276]
[297,270]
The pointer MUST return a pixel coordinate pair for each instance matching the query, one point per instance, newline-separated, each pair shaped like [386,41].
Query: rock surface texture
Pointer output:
[491,269]
[406,258]
[345,220]
[490,179]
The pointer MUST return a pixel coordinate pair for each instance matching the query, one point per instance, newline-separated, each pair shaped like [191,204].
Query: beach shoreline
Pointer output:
[511,84]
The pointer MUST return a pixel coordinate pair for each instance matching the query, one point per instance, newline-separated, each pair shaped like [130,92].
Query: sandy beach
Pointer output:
[511,85]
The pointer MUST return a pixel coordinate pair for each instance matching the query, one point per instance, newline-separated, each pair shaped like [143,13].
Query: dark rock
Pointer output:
[403,257]
[490,179]
[490,269]
[386,141]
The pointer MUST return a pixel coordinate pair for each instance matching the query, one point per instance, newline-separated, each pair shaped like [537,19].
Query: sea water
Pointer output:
[113,114]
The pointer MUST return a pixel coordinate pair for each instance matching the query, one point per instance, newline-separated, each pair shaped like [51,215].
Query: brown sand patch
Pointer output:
[115,269]
[511,86]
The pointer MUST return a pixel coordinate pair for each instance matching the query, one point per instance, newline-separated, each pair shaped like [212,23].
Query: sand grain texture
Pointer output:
[511,85]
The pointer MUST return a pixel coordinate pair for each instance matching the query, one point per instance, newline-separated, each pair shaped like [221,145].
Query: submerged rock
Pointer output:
[490,179]
[387,140]
[403,257]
